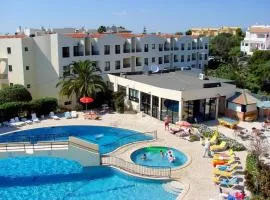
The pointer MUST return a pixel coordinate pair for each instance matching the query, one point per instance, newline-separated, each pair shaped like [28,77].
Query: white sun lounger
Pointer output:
[34,118]
[18,120]
[53,116]
[74,114]
[27,121]
[12,122]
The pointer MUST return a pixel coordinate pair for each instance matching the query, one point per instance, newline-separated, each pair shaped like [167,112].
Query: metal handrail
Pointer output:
[157,172]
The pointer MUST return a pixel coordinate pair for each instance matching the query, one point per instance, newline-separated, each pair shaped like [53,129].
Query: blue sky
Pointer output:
[157,15]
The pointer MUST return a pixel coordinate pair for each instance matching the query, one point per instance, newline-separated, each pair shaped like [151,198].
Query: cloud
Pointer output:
[120,13]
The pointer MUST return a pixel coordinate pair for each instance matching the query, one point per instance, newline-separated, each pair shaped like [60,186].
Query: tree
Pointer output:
[179,33]
[189,32]
[14,93]
[101,29]
[83,81]
[240,33]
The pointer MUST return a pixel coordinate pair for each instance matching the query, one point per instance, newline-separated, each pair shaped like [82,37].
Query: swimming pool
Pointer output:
[108,138]
[154,157]
[52,178]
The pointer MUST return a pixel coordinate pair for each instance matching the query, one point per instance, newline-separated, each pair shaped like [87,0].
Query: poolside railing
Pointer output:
[126,140]
[155,172]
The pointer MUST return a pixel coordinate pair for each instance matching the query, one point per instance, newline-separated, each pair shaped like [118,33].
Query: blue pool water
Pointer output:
[108,138]
[154,157]
[43,178]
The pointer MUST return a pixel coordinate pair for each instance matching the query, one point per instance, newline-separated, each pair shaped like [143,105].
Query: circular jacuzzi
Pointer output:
[159,156]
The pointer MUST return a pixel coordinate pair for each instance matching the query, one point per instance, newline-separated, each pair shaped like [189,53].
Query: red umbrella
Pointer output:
[86,100]
[183,123]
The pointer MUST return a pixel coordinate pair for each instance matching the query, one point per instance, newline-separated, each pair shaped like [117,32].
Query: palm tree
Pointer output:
[83,80]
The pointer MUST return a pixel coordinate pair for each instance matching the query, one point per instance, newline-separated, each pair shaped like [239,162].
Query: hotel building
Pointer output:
[38,58]
[213,31]
[257,38]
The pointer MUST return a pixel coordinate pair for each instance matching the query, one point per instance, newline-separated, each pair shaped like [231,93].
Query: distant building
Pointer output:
[213,31]
[115,29]
[257,38]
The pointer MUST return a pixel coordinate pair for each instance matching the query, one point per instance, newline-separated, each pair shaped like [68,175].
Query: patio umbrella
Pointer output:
[183,123]
[86,100]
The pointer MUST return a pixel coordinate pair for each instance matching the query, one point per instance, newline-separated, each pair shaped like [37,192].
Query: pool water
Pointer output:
[108,138]
[52,178]
[154,158]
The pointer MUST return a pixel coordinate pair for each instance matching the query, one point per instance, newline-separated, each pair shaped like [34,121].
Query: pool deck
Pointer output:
[196,176]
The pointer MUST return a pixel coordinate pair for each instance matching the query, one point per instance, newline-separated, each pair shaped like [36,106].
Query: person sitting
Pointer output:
[162,153]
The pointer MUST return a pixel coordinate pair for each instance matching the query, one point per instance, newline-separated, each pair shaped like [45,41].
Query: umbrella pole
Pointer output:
[86,107]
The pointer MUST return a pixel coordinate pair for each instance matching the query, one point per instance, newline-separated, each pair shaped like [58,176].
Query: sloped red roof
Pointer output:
[11,36]
[259,30]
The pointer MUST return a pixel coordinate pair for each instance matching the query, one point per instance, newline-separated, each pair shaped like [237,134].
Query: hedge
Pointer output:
[23,109]
[14,93]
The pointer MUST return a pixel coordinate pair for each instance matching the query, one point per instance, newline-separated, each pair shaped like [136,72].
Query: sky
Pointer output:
[167,16]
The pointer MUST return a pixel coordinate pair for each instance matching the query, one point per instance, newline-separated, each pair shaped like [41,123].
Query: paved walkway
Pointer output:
[197,176]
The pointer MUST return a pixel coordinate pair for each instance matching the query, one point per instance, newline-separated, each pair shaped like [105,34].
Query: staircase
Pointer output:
[173,187]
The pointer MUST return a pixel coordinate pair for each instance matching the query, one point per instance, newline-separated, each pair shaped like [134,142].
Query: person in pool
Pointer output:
[162,153]
[144,157]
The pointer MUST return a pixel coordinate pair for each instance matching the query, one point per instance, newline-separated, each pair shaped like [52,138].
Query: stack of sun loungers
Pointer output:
[53,116]
[91,115]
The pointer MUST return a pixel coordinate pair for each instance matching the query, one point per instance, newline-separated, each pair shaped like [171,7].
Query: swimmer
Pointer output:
[144,157]
[162,153]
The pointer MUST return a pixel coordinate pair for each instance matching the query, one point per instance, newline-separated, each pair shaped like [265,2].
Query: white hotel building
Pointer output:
[39,59]
[257,38]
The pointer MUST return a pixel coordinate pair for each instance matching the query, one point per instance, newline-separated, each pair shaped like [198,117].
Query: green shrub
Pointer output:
[118,101]
[14,93]
[232,144]
[251,163]
[44,106]
[13,109]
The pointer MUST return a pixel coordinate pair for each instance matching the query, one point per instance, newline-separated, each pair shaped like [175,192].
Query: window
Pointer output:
[28,86]
[145,47]
[153,59]
[188,58]
[193,45]
[175,59]
[25,48]
[117,64]
[117,49]
[182,46]
[189,46]
[10,84]
[199,66]
[138,62]
[107,66]
[160,60]
[166,59]
[10,68]
[153,46]
[146,61]
[76,51]
[200,57]
[66,70]
[193,66]
[106,49]
[67,103]
[65,52]
[27,67]
[133,95]
[206,46]
[182,58]
[205,56]
[9,50]
[194,56]
[160,47]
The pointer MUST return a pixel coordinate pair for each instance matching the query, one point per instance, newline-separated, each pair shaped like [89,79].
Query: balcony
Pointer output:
[95,53]
[133,50]
[175,60]
[138,64]
[166,49]
[176,48]
[126,65]
[146,49]
[138,50]
[117,51]
[107,53]
[166,61]
[126,50]
[160,49]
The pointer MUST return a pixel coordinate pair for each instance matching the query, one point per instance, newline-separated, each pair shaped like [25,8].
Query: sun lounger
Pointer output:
[74,114]
[214,138]
[221,157]
[17,120]
[53,116]
[12,122]
[220,173]
[68,115]
[221,146]
[229,183]
[228,168]
[34,118]
[223,162]
[26,121]
[230,153]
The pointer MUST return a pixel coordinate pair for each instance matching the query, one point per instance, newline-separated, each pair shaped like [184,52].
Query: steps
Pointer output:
[173,187]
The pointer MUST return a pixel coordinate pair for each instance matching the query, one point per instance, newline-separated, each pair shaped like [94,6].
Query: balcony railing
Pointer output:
[126,50]
[3,76]
[126,65]
[95,52]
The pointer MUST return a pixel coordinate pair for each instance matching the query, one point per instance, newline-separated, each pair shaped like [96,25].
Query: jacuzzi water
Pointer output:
[108,138]
[48,178]
[155,158]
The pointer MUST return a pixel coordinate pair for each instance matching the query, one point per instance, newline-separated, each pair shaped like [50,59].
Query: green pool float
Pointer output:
[156,149]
